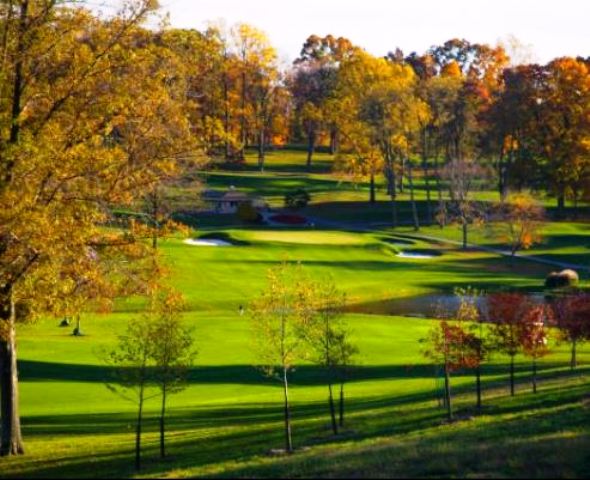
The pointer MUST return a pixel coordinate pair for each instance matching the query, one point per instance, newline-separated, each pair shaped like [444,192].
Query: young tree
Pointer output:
[454,348]
[279,316]
[172,352]
[534,336]
[469,311]
[463,178]
[327,335]
[572,317]
[506,313]
[133,375]
[520,221]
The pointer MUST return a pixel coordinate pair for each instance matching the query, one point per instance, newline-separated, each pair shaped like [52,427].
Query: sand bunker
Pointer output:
[209,242]
[423,256]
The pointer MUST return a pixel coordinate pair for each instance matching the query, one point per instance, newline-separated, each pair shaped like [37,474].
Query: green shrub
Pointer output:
[247,213]
[565,278]
[297,199]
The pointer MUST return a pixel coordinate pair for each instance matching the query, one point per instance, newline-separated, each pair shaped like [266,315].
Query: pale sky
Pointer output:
[550,28]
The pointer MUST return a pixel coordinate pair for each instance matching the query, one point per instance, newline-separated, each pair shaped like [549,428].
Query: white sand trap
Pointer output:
[207,242]
[421,256]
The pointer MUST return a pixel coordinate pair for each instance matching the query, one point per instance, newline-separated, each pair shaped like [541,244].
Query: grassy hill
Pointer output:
[229,419]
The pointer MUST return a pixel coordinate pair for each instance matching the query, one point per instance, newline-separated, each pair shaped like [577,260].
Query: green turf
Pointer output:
[229,419]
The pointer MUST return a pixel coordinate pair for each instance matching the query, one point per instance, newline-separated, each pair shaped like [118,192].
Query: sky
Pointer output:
[546,28]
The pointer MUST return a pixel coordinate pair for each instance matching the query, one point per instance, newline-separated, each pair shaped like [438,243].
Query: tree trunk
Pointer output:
[226,116]
[332,410]
[561,203]
[11,437]
[412,198]
[478,386]
[333,141]
[243,133]
[401,176]
[534,375]
[448,393]
[288,439]
[426,179]
[261,152]
[441,203]
[464,227]
[311,138]
[574,360]
[162,424]
[138,431]
[341,409]
[372,187]
[512,375]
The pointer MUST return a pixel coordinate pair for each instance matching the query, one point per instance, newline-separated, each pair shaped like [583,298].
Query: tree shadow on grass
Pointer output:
[205,436]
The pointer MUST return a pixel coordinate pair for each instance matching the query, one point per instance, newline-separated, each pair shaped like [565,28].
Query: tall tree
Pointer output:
[85,128]
[279,317]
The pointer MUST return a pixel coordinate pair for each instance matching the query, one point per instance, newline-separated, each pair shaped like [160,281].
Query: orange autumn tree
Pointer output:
[521,219]
[87,121]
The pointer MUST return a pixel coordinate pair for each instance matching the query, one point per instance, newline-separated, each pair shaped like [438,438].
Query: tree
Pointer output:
[172,352]
[534,336]
[463,177]
[520,221]
[469,311]
[381,112]
[454,348]
[279,316]
[327,335]
[506,313]
[84,126]
[564,124]
[132,363]
[572,317]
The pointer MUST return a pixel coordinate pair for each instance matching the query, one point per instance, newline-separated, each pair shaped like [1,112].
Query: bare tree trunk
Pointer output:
[332,410]
[162,424]
[11,437]
[574,360]
[333,141]
[412,198]
[341,409]
[287,411]
[464,228]
[226,115]
[534,375]
[561,203]
[478,385]
[372,187]
[243,133]
[441,203]
[138,430]
[261,152]
[448,393]
[512,375]
[401,175]
[311,139]
[426,178]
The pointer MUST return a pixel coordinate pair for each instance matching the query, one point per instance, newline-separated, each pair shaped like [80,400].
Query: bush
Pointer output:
[297,199]
[565,278]
[247,213]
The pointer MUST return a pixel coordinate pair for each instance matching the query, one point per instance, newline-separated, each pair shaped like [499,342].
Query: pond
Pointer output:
[431,305]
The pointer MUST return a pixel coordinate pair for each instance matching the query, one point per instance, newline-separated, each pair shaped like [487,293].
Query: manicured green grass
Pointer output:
[230,417]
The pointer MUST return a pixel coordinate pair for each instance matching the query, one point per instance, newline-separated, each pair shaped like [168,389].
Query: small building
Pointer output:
[228,202]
